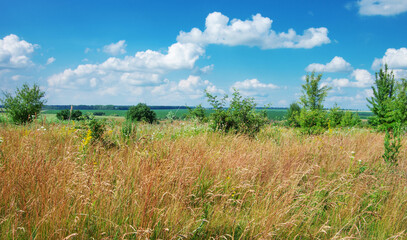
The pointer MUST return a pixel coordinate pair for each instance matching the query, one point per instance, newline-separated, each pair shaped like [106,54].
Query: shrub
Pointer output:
[97,128]
[141,112]
[293,113]
[392,145]
[335,116]
[240,117]
[312,121]
[350,119]
[197,113]
[25,105]
[99,113]
[66,115]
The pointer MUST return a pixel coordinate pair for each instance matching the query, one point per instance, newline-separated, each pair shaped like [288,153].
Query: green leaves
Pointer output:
[313,95]
[25,105]
[141,112]
[240,117]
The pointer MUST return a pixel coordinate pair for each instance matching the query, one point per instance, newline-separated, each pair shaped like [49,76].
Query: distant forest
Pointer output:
[113,107]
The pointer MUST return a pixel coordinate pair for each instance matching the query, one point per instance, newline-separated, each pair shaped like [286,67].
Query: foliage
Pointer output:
[335,116]
[99,113]
[25,105]
[66,114]
[384,103]
[141,112]
[392,145]
[97,128]
[350,119]
[197,112]
[293,114]
[128,130]
[313,95]
[171,116]
[240,117]
[312,121]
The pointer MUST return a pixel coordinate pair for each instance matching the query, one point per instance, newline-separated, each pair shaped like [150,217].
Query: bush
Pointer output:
[141,112]
[25,105]
[197,113]
[350,119]
[97,128]
[66,115]
[313,121]
[335,116]
[293,113]
[99,113]
[240,117]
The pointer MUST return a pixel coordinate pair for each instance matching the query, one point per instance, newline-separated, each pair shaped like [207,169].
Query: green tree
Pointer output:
[66,114]
[312,119]
[25,105]
[313,94]
[293,113]
[141,112]
[197,112]
[383,103]
[240,117]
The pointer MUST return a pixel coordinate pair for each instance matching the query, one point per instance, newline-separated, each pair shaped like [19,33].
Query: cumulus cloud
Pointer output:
[254,32]
[50,60]
[361,78]
[128,74]
[382,7]
[394,58]
[253,87]
[15,53]
[337,64]
[193,88]
[115,48]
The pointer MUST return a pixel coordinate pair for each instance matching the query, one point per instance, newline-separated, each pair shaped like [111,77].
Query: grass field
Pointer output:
[273,114]
[180,180]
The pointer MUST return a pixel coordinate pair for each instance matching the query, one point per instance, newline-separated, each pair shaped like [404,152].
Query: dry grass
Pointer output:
[179,180]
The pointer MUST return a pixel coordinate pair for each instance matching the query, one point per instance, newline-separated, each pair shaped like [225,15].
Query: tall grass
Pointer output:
[180,180]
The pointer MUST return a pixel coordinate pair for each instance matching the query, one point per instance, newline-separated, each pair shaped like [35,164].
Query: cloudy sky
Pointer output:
[168,52]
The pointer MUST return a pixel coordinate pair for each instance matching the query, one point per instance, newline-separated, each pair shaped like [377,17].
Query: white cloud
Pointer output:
[362,79]
[50,60]
[253,87]
[191,88]
[337,64]
[394,58]
[142,67]
[255,32]
[16,77]
[382,7]
[115,48]
[15,53]
[87,50]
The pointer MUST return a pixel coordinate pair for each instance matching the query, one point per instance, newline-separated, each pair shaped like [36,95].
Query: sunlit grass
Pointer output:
[181,180]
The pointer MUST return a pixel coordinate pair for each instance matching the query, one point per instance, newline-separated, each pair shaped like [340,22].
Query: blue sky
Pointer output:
[169,52]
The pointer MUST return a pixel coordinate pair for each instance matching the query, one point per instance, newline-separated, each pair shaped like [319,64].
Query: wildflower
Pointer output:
[1,140]
[86,140]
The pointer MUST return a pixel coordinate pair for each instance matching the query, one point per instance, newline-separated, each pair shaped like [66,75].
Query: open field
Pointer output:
[273,114]
[180,180]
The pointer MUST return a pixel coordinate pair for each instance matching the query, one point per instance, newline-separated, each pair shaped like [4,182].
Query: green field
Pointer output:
[273,114]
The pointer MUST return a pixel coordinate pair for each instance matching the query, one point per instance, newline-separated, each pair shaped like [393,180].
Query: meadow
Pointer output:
[181,180]
[272,114]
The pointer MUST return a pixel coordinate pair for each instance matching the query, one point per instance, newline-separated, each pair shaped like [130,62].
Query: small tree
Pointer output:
[313,119]
[382,103]
[293,113]
[25,105]
[240,117]
[313,94]
[141,112]
[66,114]
[197,112]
